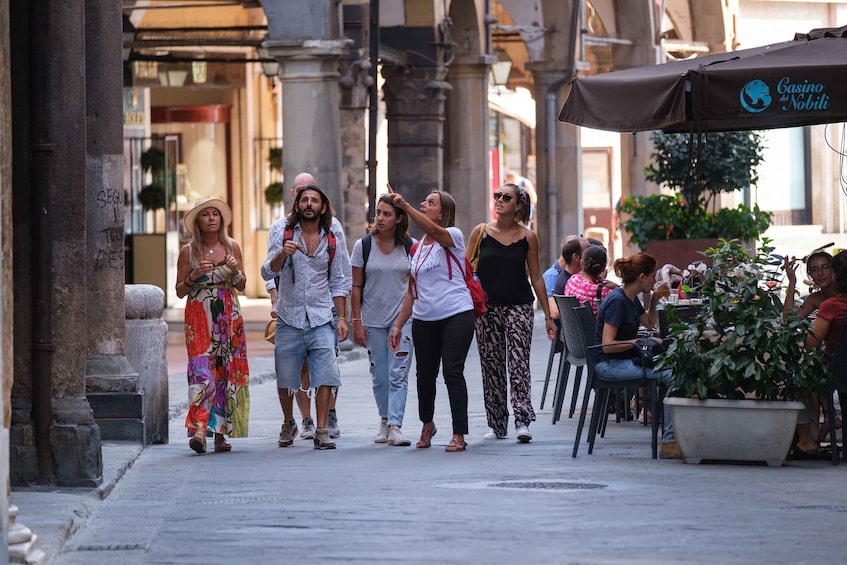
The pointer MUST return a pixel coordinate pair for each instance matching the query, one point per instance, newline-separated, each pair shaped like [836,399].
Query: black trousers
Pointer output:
[443,342]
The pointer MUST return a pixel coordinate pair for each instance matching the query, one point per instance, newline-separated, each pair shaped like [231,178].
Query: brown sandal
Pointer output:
[456,445]
[198,442]
[426,436]
[222,445]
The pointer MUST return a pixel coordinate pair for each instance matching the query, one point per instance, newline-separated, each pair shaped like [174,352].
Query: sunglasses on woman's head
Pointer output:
[503,196]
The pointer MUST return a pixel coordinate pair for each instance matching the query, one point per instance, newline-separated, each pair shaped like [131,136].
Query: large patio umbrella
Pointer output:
[794,83]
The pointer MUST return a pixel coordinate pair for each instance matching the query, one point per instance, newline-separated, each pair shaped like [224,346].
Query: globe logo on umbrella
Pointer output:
[755,96]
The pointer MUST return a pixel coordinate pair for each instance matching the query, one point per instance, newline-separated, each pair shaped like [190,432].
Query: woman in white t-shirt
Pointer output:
[380,263]
[441,310]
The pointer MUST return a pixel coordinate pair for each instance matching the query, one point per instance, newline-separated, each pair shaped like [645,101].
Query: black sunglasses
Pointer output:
[502,196]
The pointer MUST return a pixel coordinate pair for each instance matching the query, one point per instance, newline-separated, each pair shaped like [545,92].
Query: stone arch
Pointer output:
[467,27]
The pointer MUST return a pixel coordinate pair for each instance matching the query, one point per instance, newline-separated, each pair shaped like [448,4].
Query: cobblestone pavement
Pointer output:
[498,502]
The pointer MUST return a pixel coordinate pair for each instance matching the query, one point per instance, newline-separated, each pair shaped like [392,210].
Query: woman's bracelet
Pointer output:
[342,318]
[185,282]
[237,278]
[355,319]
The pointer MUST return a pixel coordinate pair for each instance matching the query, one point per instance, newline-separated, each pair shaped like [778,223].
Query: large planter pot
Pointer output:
[678,252]
[734,430]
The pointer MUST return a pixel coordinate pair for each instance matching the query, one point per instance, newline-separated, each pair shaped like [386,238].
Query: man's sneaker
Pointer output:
[308,429]
[382,435]
[522,432]
[287,433]
[493,435]
[322,440]
[396,437]
[332,424]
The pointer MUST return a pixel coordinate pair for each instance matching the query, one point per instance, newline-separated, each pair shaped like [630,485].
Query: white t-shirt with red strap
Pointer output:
[439,296]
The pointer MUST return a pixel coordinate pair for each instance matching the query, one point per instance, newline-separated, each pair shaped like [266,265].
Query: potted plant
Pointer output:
[740,358]
[696,175]
[152,195]
[274,193]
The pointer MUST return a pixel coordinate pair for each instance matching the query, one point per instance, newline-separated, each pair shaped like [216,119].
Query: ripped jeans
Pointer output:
[390,372]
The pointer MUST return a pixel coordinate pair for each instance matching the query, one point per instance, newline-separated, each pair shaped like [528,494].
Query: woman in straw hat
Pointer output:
[209,271]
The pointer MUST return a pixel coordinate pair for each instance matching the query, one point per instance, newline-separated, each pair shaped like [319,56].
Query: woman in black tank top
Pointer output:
[506,251]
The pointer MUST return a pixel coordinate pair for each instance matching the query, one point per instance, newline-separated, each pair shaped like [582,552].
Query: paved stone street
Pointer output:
[499,502]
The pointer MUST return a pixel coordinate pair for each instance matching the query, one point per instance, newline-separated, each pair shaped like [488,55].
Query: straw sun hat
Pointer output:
[200,205]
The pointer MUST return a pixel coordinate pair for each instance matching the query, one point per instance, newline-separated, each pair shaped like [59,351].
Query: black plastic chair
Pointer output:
[565,363]
[836,372]
[683,314]
[578,327]
[557,346]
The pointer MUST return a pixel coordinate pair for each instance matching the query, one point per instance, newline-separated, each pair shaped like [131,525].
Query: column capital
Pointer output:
[354,82]
[415,91]
[307,60]
[474,66]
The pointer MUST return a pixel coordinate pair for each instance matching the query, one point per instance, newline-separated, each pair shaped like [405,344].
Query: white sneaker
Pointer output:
[396,438]
[308,429]
[332,424]
[382,435]
[492,435]
[522,431]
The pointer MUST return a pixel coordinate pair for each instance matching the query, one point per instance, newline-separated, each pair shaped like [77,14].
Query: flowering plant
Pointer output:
[740,345]
[722,162]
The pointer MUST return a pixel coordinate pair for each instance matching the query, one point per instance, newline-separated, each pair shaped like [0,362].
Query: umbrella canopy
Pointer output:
[794,83]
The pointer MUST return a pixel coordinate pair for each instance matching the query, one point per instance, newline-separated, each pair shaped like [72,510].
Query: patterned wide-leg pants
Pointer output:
[504,337]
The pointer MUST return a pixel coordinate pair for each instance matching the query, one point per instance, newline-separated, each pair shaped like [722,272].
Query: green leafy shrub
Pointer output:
[723,162]
[740,345]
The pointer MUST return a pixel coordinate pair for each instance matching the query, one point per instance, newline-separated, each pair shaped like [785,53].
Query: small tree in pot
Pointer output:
[697,172]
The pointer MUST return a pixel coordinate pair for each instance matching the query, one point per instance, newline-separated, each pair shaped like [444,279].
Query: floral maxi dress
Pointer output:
[217,357]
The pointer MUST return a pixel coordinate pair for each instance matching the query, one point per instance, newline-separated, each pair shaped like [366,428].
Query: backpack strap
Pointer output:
[367,242]
[287,235]
[407,245]
[332,244]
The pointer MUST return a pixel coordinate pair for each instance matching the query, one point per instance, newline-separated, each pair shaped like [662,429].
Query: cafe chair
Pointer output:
[683,314]
[557,347]
[566,361]
[578,327]
[836,373]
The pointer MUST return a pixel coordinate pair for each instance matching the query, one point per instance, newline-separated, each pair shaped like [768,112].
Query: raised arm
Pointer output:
[430,228]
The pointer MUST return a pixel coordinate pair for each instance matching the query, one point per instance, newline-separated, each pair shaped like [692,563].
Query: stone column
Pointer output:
[50,146]
[107,370]
[558,158]
[414,99]
[354,83]
[310,114]
[6,298]
[466,160]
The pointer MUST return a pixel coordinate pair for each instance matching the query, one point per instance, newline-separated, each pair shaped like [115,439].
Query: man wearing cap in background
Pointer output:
[310,284]
[303,402]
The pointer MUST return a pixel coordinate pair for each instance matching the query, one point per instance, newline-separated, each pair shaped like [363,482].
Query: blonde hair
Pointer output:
[196,253]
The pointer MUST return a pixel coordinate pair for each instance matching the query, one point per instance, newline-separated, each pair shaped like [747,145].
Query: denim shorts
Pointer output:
[316,345]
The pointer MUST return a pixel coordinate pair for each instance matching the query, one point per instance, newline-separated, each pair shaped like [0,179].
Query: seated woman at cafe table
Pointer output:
[618,318]
[825,332]
[819,269]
